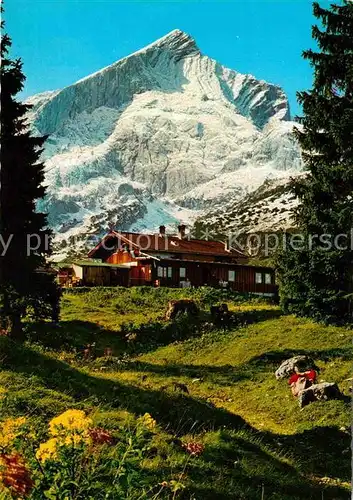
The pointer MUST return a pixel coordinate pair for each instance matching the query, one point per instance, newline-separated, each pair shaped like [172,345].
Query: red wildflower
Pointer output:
[193,448]
[15,474]
[100,436]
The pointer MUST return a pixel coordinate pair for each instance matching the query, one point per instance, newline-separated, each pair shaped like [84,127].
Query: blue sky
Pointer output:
[61,41]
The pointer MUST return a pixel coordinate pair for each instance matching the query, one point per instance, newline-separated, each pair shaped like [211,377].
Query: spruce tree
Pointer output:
[26,287]
[317,279]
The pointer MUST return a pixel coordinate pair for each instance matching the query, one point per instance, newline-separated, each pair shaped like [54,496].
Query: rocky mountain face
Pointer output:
[267,210]
[163,136]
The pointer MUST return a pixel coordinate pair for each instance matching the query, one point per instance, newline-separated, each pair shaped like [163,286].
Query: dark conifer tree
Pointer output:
[317,280]
[25,286]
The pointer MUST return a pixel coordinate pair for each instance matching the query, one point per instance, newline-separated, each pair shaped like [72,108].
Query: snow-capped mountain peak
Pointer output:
[179,43]
[157,137]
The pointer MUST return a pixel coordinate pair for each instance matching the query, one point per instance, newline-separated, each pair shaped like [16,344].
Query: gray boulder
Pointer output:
[289,366]
[319,392]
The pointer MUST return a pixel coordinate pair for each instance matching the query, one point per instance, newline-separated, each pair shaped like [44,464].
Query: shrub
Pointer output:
[154,333]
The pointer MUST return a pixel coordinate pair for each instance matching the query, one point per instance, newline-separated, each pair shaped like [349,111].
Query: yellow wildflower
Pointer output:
[10,429]
[48,450]
[71,421]
[3,391]
[147,421]
[75,439]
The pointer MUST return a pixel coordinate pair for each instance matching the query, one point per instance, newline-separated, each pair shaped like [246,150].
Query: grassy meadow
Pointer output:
[201,385]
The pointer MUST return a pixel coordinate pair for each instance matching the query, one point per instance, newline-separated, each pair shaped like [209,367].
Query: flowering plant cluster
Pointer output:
[69,430]
[147,422]
[195,449]
[10,429]
[73,460]
[15,475]
[80,460]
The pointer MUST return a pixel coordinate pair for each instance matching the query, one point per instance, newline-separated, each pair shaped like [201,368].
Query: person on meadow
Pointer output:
[301,380]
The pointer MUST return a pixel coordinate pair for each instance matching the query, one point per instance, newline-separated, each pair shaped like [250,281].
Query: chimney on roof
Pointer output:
[161,230]
[181,231]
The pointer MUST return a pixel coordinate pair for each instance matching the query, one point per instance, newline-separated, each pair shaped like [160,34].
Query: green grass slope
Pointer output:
[258,443]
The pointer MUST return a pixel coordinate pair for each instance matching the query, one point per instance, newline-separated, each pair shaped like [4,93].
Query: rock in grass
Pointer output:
[288,367]
[319,392]
[186,306]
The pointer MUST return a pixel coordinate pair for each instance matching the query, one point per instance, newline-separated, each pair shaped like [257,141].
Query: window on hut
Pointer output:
[182,272]
[268,279]
[258,277]
[231,275]
[164,272]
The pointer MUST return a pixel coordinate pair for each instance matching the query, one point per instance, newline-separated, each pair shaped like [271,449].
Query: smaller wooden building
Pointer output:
[92,272]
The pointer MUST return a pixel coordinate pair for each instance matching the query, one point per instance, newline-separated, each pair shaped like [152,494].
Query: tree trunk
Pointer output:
[15,328]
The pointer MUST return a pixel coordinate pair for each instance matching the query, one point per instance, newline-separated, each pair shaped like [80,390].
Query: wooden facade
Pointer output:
[176,261]
[90,273]
[239,277]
